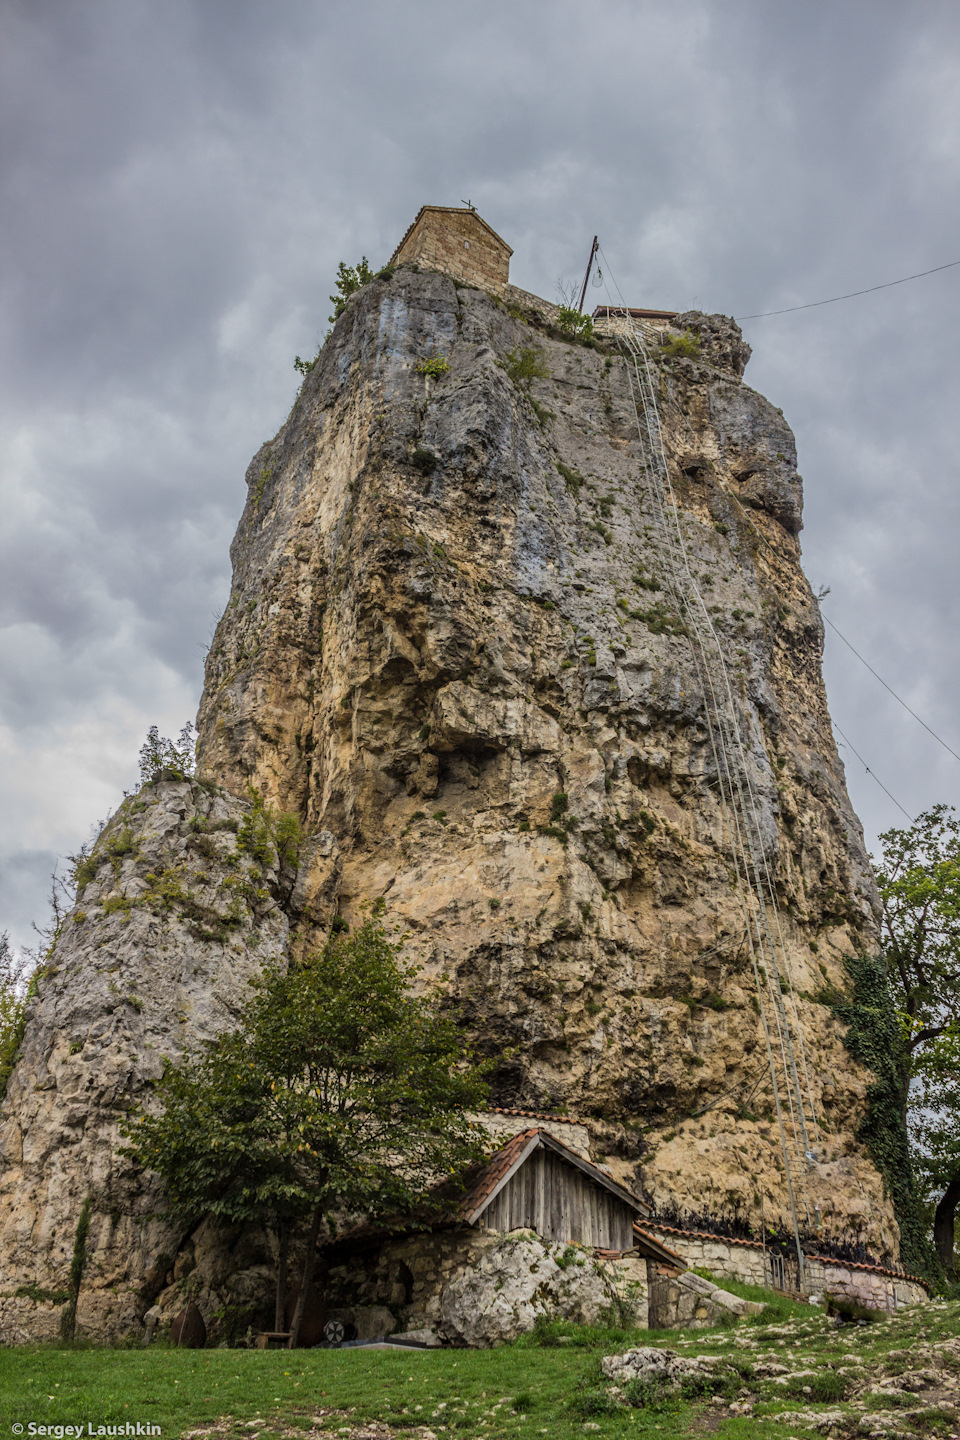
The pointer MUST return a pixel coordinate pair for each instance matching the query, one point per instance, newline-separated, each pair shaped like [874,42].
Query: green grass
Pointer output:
[514,1391]
[547,1383]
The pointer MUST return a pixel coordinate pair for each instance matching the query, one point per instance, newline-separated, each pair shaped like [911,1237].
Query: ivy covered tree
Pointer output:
[341,1095]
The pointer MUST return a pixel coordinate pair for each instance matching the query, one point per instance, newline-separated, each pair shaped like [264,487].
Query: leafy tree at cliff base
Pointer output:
[919,879]
[935,1129]
[341,1095]
[919,882]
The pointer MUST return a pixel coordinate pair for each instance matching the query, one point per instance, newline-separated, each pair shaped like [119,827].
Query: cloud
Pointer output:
[178,183]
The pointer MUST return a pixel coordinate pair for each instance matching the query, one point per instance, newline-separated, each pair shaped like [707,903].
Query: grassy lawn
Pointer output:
[506,1392]
[528,1389]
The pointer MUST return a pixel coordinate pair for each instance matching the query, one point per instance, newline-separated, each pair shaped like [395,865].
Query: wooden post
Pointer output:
[586,278]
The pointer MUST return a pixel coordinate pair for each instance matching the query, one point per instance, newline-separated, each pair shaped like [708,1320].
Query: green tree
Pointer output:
[919,881]
[341,1095]
[574,322]
[13,1007]
[350,279]
[175,757]
[935,1131]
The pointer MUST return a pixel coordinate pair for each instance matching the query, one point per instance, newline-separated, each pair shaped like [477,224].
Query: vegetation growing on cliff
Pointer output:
[165,759]
[524,365]
[350,279]
[875,1038]
[13,1008]
[574,322]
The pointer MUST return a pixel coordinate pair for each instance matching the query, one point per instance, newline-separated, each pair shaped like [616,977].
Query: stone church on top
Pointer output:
[458,242]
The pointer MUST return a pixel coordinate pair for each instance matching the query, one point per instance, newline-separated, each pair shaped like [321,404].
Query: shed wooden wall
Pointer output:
[560,1203]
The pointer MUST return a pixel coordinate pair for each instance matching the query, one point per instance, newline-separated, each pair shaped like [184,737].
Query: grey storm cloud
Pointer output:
[179,181]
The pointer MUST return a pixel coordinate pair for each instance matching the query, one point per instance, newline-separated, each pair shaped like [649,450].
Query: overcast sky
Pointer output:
[181,177]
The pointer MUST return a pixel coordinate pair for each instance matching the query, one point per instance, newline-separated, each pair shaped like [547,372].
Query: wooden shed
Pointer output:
[537,1183]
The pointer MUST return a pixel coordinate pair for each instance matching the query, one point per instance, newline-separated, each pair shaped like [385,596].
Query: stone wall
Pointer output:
[460,245]
[654,330]
[738,1260]
[880,1289]
[682,1299]
[534,305]
[503,1125]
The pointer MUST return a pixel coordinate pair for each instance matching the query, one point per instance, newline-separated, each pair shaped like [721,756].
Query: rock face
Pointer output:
[449,651]
[456,659]
[174,920]
[515,1281]
[650,1363]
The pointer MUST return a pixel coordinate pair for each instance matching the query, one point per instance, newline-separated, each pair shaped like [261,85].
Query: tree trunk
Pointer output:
[943,1226]
[283,1250]
[308,1263]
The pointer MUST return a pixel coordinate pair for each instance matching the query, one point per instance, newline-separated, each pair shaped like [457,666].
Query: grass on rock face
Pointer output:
[547,1383]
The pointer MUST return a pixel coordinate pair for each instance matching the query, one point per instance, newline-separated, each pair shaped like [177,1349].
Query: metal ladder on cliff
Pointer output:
[740,807]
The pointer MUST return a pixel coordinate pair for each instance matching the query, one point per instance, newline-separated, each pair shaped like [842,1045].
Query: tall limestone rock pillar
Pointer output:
[449,650]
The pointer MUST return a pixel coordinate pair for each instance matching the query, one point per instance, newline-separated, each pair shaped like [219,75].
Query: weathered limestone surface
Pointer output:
[647,1362]
[158,953]
[518,1278]
[429,653]
[457,664]
[476,1287]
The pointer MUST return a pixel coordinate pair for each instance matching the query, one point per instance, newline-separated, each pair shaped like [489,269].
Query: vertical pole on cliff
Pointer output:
[586,278]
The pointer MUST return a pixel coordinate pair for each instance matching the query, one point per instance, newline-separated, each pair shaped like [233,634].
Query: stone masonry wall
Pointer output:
[504,1126]
[458,244]
[734,1260]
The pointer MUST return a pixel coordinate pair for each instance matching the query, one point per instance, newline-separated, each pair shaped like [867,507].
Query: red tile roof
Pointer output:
[481,1189]
[660,1251]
